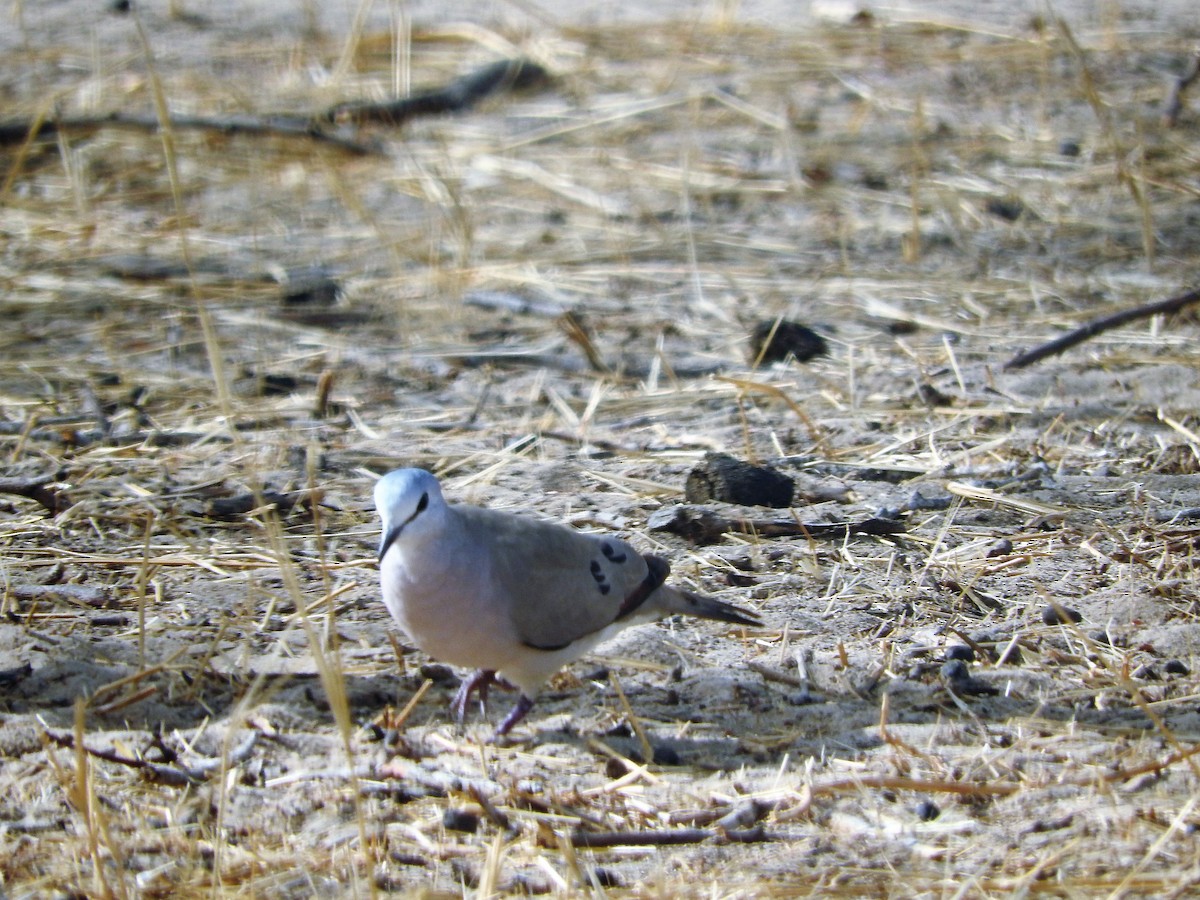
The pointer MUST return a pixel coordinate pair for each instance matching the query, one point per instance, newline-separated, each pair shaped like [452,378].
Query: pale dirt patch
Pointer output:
[693,170]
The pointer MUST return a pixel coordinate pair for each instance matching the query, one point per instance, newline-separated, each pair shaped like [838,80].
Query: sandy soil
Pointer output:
[934,187]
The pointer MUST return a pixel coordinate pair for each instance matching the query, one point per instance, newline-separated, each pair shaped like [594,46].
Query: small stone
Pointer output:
[955,671]
[1175,667]
[666,756]
[1069,147]
[1060,615]
[615,769]
[1011,656]
[460,820]
[927,811]
[607,878]
[1007,208]
[437,673]
[774,340]
[961,652]
[1002,547]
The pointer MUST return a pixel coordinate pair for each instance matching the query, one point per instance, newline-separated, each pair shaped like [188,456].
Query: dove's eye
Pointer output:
[423,503]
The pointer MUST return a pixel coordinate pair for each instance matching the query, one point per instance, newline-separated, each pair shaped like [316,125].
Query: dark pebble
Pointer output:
[1060,615]
[1012,656]
[666,756]
[955,670]
[437,673]
[614,769]
[1069,147]
[1175,667]
[927,811]
[1006,208]
[460,820]
[960,651]
[1146,673]
[607,878]
[1100,637]
[775,340]
[1002,547]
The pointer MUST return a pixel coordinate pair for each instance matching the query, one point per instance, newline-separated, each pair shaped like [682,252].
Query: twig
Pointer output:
[1098,326]
[174,776]
[40,489]
[458,95]
[15,131]
[1173,105]
[667,837]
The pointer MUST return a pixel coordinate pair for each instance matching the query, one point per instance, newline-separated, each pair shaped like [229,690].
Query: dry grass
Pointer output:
[222,712]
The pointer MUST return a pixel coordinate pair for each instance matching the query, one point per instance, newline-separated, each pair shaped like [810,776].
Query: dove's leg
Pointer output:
[515,715]
[479,680]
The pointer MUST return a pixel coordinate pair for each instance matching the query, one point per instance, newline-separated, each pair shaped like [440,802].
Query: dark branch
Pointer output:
[1098,326]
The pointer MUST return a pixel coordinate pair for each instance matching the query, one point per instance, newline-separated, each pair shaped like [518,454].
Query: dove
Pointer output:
[512,597]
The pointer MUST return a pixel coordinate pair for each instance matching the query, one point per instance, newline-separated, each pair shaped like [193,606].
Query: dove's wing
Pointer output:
[559,584]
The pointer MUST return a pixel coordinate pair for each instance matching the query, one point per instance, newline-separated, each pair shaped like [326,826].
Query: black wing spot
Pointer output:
[612,554]
[600,578]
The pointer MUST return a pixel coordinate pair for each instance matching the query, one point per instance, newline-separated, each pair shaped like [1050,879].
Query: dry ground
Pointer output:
[933,192]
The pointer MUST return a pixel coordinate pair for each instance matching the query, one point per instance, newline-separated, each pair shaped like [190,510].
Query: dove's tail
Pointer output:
[674,600]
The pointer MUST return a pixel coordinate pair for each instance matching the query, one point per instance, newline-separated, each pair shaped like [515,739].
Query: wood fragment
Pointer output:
[704,526]
[41,489]
[1099,326]
[719,476]
[89,595]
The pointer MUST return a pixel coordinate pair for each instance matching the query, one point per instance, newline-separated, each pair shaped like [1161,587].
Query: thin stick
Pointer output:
[1174,102]
[1099,326]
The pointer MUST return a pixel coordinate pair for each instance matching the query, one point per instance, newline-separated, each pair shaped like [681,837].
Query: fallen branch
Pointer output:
[17,131]
[458,95]
[177,775]
[704,526]
[1098,326]
[40,489]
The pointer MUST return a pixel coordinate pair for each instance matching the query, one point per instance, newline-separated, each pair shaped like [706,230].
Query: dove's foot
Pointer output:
[479,681]
[515,715]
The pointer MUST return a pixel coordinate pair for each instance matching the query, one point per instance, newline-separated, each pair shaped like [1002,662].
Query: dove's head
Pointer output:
[410,503]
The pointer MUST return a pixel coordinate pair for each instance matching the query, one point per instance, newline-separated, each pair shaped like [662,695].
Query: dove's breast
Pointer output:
[449,611]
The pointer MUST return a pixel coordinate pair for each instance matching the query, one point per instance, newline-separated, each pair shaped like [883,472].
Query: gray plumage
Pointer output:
[511,596]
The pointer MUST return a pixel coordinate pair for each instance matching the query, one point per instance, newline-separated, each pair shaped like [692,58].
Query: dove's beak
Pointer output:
[388,539]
